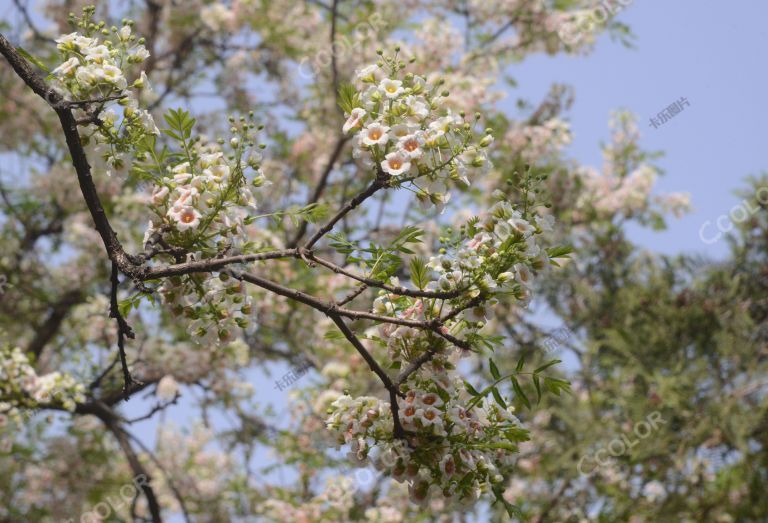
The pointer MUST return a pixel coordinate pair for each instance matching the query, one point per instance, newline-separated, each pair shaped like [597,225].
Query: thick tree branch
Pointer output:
[63,109]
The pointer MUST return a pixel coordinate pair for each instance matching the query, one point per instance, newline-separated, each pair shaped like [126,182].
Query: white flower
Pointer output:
[147,122]
[396,163]
[369,73]
[186,217]
[67,67]
[97,54]
[86,76]
[159,194]
[430,417]
[430,400]
[355,117]
[141,54]
[447,465]
[375,134]
[114,76]
[546,223]
[207,160]
[391,88]
[400,130]
[523,275]
[218,171]
[418,107]
[167,388]
[142,82]
[66,42]
[411,144]
[124,33]
[521,226]
[84,42]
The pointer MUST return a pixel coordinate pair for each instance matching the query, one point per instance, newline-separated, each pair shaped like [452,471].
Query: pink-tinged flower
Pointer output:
[159,195]
[375,134]
[395,164]
[186,218]
[411,145]
[391,88]
[448,465]
[185,197]
[355,118]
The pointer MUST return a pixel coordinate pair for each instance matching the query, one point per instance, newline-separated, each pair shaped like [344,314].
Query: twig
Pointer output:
[379,183]
[109,420]
[123,330]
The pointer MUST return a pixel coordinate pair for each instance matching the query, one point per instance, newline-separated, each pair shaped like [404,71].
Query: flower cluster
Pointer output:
[456,444]
[22,388]
[402,129]
[202,205]
[93,75]
[493,256]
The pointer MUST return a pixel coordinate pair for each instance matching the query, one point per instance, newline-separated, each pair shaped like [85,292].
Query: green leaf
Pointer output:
[512,510]
[555,385]
[537,384]
[520,393]
[23,52]
[124,307]
[470,388]
[333,334]
[546,366]
[560,252]
[520,364]
[313,212]
[494,369]
[498,398]
[419,273]
[349,98]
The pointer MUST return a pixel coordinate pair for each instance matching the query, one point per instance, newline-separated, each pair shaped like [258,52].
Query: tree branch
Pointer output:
[379,183]
[111,421]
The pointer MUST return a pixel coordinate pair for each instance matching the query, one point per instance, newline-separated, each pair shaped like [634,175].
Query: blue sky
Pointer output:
[713,53]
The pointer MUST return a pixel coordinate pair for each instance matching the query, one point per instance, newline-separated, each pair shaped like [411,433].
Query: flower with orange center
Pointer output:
[396,163]
[429,416]
[375,134]
[186,218]
[411,145]
[431,400]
